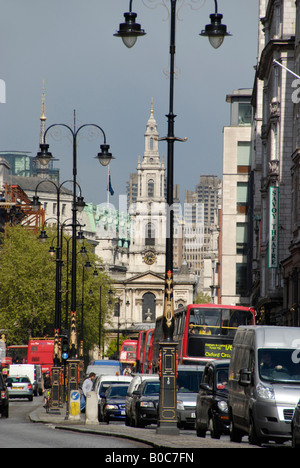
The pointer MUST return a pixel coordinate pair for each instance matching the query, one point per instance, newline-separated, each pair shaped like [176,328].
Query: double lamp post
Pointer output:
[129,32]
[44,157]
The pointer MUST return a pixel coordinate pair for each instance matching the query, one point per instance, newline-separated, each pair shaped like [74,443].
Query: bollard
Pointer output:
[74,409]
[91,409]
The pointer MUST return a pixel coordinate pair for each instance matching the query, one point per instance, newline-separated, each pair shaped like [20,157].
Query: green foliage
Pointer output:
[202,298]
[27,288]
[111,351]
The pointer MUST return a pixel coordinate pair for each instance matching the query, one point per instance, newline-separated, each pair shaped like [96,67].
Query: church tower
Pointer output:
[148,215]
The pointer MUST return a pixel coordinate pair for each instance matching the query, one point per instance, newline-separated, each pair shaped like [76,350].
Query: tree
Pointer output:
[27,288]
[202,298]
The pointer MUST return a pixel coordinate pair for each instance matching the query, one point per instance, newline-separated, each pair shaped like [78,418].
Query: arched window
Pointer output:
[149,234]
[151,188]
[148,308]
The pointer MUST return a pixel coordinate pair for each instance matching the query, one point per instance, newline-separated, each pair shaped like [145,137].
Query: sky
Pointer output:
[70,45]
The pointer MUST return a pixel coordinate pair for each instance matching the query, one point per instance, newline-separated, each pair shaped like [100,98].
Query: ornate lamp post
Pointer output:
[129,32]
[104,157]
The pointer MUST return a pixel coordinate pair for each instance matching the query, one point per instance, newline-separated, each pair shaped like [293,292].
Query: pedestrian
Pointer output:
[46,387]
[86,387]
[127,370]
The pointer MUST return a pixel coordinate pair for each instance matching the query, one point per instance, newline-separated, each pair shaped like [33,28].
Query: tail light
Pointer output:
[3,395]
[29,387]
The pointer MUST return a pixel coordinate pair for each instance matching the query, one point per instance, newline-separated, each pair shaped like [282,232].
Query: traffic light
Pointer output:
[65,346]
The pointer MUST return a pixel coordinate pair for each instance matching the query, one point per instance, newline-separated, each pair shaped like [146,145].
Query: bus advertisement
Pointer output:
[204,332]
[40,351]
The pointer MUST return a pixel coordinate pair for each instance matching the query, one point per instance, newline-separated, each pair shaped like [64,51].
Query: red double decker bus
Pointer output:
[40,351]
[204,331]
[148,337]
[128,352]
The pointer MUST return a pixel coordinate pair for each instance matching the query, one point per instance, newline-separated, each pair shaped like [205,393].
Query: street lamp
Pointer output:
[129,32]
[104,157]
[215,31]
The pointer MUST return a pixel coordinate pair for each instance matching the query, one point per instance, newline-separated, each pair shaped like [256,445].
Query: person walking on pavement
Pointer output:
[46,387]
[86,387]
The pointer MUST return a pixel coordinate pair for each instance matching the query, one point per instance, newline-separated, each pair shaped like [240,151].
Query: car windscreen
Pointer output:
[151,388]
[189,381]
[104,386]
[116,392]
[279,365]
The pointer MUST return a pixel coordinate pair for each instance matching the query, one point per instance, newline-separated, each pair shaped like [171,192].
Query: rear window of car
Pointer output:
[18,380]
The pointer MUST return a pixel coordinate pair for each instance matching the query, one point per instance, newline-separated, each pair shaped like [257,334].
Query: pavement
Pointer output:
[145,435]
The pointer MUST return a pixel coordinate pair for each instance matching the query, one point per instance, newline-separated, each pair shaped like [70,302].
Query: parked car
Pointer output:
[4,398]
[145,403]
[112,405]
[212,400]
[134,385]
[102,382]
[295,426]
[19,387]
[264,383]
[188,383]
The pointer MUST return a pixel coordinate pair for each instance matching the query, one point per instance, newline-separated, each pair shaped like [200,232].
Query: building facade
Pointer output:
[274,164]
[235,199]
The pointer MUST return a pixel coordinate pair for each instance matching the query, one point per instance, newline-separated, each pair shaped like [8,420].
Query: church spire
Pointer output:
[43,117]
[151,139]
[42,172]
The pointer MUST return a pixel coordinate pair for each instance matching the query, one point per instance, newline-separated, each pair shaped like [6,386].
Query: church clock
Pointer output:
[149,257]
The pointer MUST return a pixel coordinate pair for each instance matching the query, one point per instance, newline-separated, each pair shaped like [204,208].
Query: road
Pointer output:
[18,432]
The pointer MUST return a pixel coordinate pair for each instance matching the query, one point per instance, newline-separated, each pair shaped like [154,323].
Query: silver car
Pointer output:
[19,387]
[188,383]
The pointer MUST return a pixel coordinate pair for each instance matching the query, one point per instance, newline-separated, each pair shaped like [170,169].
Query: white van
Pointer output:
[32,371]
[104,367]
[264,383]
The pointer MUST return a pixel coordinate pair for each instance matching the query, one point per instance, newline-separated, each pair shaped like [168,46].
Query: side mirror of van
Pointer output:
[245,377]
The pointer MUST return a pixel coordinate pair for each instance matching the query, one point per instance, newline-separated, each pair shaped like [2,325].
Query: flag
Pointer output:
[111,191]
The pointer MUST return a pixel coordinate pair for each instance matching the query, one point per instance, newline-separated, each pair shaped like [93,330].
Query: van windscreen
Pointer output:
[279,365]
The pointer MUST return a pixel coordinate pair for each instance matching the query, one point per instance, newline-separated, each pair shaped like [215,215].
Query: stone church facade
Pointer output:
[132,246]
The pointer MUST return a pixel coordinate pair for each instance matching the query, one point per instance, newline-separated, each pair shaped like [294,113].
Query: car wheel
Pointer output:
[139,422]
[30,398]
[295,442]
[212,427]
[235,434]
[200,432]
[253,437]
